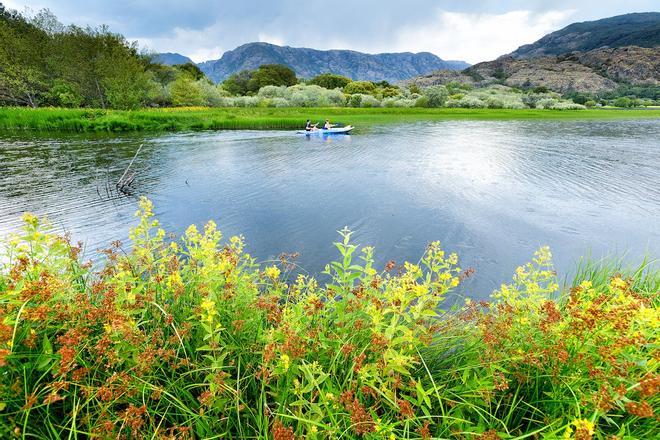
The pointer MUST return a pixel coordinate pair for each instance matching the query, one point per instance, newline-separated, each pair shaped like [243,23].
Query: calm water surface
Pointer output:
[492,191]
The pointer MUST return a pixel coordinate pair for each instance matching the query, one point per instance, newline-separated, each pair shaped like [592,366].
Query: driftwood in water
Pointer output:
[125,181]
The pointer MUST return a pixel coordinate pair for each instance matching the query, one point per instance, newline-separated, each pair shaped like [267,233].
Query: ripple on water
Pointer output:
[493,191]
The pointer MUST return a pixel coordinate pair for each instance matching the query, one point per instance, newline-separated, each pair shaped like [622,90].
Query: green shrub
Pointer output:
[185,92]
[422,101]
[437,95]
[623,102]
[368,101]
[355,100]
[330,81]
[362,87]
[65,94]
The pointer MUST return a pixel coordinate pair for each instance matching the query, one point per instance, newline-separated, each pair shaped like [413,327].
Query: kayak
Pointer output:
[323,131]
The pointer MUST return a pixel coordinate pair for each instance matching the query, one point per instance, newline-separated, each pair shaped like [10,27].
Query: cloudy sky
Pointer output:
[465,30]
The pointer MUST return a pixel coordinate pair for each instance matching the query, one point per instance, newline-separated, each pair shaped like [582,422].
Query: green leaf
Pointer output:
[47,347]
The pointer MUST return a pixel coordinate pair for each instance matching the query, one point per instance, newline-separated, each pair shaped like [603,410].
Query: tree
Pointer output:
[271,75]
[185,92]
[23,72]
[362,87]
[191,69]
[330,81]
[237,84]
[64,94]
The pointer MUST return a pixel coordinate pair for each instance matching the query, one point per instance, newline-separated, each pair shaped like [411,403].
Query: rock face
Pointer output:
[592,71]
[170,59]
[639,29]
[591,56]
[311,62]
[632,65]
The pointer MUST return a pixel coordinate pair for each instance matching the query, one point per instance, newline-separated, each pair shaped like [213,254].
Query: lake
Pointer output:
[491,191]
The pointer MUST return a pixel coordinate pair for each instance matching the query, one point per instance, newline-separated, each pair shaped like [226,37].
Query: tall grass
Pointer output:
[192,339]
[202,118]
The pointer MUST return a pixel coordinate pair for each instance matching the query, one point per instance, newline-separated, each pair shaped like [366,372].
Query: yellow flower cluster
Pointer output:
[208,310]
[272,272]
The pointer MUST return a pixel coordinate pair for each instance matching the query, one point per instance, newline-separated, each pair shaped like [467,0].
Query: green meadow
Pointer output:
[204,118]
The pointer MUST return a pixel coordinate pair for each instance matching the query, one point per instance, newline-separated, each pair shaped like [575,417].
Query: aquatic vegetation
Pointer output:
[191,338]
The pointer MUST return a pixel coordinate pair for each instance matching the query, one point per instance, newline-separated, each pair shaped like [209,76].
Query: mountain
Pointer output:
[311,62]
[583,57]
[171,59]
[639,29]
[593,71]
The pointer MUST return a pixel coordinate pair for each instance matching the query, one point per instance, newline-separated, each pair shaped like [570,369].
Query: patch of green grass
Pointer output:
[201,118]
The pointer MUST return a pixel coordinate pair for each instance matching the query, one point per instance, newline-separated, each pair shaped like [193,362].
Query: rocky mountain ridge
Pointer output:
[308,63]
[593,71]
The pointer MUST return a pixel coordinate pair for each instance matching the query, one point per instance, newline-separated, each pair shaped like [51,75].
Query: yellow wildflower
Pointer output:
[618,283]
[583,425]
[209,310]
[286,361]
[272,272]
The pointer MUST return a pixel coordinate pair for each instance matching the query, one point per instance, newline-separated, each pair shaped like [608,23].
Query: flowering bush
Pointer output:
[398,102]
[466,102]
[567,106]
[193,339]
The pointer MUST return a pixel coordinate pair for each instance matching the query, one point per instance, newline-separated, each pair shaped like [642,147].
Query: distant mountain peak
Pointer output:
[171,58]
[308,62]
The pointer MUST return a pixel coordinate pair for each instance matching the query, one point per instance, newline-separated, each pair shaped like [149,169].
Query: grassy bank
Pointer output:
[179,119]
[192,339]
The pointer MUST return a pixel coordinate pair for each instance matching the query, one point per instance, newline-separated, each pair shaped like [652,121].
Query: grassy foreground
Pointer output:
[193,339]
[178,119]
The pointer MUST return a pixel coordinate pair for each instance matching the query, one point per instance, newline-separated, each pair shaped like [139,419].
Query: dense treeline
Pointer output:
[43,62]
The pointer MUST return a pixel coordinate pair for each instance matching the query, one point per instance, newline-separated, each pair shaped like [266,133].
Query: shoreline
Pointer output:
[50,119]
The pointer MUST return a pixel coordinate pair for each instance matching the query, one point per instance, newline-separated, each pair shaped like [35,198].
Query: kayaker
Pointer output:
[309,126]
[328,125]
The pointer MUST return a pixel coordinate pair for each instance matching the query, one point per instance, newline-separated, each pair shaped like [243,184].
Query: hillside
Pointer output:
[592,71]
[592,56]
[639,29]
[311,62]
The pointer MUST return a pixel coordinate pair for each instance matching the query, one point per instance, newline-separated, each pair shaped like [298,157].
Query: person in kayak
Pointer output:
[328,125]
[310,127]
